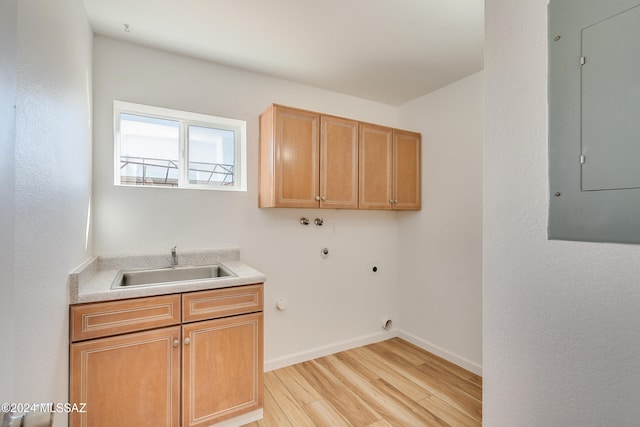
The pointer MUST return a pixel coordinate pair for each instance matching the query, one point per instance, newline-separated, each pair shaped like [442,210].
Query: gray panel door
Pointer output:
[611,103]
[594,112]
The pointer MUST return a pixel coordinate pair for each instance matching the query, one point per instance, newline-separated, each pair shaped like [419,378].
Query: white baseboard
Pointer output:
[439,351]
[303,356]
[241,419]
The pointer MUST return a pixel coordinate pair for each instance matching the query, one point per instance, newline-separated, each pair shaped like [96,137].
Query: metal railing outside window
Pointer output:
[151,171]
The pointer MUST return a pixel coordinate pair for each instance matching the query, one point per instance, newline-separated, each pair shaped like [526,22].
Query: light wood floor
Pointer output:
[391,383]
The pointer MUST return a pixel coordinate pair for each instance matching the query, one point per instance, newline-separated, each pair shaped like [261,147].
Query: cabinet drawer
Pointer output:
[221,302]
[116,317]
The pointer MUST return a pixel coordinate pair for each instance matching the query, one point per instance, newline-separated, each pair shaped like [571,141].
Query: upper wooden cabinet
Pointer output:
[338,163]
[307,160]
[289,150]
[376,167]
[406,170]
[389,168]
[312,160]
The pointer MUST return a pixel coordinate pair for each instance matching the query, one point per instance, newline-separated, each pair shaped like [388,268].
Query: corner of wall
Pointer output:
[8,314]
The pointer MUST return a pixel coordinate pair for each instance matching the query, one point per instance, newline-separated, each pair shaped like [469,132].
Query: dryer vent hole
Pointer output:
[386,324]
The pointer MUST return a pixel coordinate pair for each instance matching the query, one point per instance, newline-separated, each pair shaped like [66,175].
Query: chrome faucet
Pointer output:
[174,257]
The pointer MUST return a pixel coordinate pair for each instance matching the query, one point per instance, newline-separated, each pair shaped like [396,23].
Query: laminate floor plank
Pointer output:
[388,384]
[292,408]
[400,345]
[273,415]
[455,397]
[380,423]
[388,373]
[297,385]
[346,402]
[404,349]
[325,415]
[448,413]
[421,415]
[476,379]
[383,403]
[452,381]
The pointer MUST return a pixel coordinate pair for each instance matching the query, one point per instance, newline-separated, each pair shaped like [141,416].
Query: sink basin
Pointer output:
[163,276]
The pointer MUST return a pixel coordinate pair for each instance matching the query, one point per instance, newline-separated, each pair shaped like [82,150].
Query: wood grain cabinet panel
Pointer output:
[130,380]
[390,172]
[313,160]
[109,318]
[195,373]
[222,369]
[376,167]
[406,170]
[307,160]
[289,141]
[204,305]
[338,163]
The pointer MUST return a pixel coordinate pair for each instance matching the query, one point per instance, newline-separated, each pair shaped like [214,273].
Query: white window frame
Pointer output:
[186,119]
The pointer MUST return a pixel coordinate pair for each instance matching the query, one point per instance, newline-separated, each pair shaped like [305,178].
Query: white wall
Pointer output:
[561,333]
[440,248]
[52,189]
[8,18]
[332,303]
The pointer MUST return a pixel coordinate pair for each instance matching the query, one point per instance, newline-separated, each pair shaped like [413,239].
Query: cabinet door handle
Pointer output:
[318,198]
[395,201]
[176,343]
[391,201]
[324,198]
[187,341]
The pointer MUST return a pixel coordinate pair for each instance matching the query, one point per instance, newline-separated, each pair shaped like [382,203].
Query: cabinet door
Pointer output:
[222,369]
[295,139]
[338,163]
[129,380]
[406,167]
[376,170]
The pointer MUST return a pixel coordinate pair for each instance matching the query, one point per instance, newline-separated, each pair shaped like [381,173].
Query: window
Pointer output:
[160,147]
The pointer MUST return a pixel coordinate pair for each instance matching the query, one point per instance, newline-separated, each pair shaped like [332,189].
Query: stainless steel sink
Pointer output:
[163,276]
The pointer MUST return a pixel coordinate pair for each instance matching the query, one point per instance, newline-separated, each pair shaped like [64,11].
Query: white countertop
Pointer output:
[92,280]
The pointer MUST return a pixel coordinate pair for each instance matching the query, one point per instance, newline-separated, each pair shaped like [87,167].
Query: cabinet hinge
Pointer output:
[583,60]
[582,159]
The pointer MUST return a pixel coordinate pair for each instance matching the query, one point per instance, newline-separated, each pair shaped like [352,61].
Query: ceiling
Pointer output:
[390,51]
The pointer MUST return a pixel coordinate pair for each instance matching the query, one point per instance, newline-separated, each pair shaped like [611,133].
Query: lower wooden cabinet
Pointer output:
[127,380]
[193,373]
[222,369]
